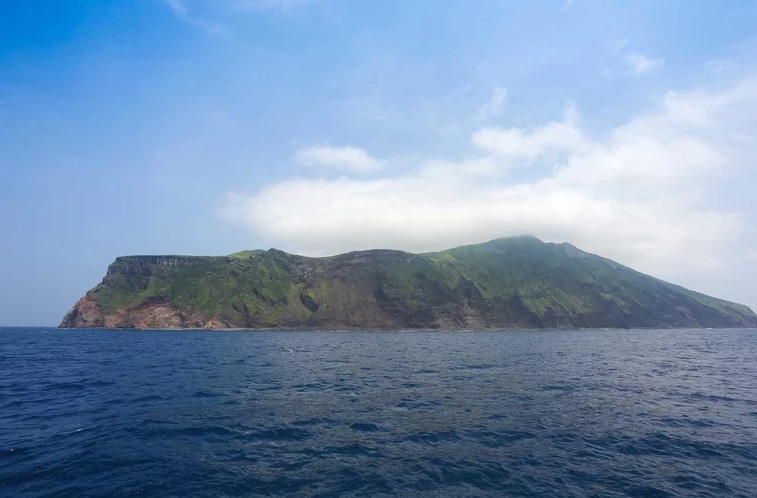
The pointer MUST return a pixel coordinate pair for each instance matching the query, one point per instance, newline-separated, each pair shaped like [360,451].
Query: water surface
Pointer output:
[532,413]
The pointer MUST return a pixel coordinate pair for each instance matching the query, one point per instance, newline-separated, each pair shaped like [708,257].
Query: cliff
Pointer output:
[505,283]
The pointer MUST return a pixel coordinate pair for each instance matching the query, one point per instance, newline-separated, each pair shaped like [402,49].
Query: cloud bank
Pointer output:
[638,193]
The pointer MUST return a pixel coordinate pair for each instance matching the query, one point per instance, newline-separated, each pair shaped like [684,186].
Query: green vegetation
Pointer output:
[512,282]
[230,287]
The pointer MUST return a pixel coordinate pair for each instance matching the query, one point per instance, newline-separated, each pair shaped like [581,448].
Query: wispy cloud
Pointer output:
[284,5]
[616,45]
[180,10]
[494,106]
[177,7]
[186,10]
[640,64]
[342,158]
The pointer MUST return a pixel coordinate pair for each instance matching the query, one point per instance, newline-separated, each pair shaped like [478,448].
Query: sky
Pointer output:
[323,126]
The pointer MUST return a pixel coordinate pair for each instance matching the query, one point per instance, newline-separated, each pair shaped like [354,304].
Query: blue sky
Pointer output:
[207,127]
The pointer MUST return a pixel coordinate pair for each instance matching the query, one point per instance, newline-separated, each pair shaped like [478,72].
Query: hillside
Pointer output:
[505,283]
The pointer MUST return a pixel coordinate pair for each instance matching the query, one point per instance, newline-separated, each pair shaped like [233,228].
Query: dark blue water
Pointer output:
[569,413]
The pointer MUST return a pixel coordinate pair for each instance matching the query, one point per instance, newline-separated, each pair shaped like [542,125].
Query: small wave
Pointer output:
[354,449]
[65,386]
[649,491]
[101,383]
[315,421]
[557,388]
[154,421]
[203,431]
[283,434]
[712,397]
[499,438]
[663,444]
[434,438]
[365,427]
[152,397]
[686,422]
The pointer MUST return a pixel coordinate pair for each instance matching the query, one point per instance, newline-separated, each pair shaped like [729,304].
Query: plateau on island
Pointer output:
[515,282]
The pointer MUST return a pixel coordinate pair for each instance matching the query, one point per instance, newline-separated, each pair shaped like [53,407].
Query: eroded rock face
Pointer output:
[214,324]
[152,314]
[86,313]
[506,283]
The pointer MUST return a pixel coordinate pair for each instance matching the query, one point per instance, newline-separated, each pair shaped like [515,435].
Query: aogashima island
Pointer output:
[515,282]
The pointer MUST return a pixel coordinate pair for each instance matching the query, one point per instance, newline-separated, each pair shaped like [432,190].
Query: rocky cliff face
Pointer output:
[505,283]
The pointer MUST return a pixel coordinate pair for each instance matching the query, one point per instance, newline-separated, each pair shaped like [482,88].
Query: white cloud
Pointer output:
[495,106]
[284,5]
[640,64]
[637,194]
[515,142]
[342,158]
[530,144]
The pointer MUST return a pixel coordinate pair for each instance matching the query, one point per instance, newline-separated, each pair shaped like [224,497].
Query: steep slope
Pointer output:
[504,283]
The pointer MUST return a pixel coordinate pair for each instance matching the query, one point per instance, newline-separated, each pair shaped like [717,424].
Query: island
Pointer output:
[507,283]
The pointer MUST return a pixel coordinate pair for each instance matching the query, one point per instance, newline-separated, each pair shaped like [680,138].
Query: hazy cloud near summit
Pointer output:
[641,193]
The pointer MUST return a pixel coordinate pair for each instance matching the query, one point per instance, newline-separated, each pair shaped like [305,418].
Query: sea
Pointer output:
[642,413]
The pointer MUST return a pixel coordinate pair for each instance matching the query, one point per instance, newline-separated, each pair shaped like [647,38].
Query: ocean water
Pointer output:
[532,413]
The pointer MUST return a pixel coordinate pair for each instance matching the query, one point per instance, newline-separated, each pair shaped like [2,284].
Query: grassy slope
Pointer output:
[519,281]
[228,287]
